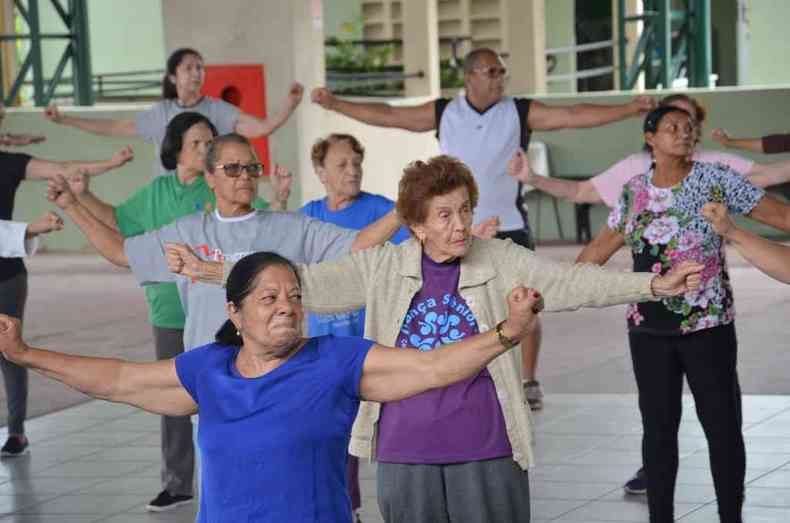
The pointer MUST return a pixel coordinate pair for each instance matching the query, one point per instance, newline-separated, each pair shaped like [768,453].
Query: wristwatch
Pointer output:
[506,342]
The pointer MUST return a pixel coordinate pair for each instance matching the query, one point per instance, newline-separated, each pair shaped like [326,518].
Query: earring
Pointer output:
[238,332]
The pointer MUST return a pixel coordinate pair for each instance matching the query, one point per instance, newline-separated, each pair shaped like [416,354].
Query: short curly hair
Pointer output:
[421,181]
[321,147]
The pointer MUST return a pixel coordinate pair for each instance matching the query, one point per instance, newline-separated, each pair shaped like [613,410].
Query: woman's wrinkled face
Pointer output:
[689,108]
[446,232]
[241,190]
[190,74]
[341,173]
[674,135]
[270,317]
[194,146]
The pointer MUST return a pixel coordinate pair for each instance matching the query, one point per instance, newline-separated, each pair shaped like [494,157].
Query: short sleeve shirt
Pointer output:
[215,238]
[12,171]
[155,205]
[151,125]
[274,448]
[664,226]
[366,209]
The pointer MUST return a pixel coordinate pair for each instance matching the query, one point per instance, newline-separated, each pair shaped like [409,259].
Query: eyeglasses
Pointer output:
[233,170]
[492,71]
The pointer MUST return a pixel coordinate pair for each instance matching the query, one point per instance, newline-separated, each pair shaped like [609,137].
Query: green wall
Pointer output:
[561,32]
[768,44]
[343,19]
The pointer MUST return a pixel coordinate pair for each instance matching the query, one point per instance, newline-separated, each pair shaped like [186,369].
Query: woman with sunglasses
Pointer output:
[181,91]
[179,193]
[231,230]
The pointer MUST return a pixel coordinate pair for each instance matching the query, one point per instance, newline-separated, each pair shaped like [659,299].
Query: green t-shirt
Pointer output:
[159,203]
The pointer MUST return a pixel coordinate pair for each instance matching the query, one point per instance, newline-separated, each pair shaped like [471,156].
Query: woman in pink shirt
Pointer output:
[607,186]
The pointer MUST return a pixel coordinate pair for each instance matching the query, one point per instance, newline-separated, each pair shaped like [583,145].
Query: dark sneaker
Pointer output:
[165,501]
[638,484]
[15,446]
[534,394]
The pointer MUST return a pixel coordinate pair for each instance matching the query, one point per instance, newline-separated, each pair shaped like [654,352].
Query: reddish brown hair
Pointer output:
[421,181]
[321,147]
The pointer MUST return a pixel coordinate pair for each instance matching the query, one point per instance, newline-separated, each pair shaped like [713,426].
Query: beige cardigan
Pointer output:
[384,279]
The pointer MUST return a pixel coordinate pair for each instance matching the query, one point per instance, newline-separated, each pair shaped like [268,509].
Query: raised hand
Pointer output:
[281,181]
[11,344]
[53,114]
[643,104]
[48,222]
[295,94]
[523,305]
[123,156]
[720,136]
[59,192]
[518,167]
[681,279]
[323,97]
[719,218]
[181,259]
[486,229]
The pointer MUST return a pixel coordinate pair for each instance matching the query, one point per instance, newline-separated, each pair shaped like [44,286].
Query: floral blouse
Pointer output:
[665,226]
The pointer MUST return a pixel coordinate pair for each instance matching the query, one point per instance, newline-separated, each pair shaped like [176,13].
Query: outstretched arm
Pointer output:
[770,257]
[105,239]
[720,136]
[579,116]
[79,183]
[253,127]
[154,387]
[20,140]
[377,232]
[391,374]
[768,174]
[46,170]
[121,128]
[416,118]
[574,191]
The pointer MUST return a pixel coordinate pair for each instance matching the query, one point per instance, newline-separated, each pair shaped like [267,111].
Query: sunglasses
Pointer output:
[233,170]
[492,71]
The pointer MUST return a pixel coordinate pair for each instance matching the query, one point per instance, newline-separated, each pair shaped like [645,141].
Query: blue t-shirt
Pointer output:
[274,448]
[366,209]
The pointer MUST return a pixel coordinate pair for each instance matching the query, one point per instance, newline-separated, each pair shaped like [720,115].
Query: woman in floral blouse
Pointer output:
[658,217]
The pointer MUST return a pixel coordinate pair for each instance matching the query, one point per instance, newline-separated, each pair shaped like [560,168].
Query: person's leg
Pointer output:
[178,452]
[411,493]
[352,472]
[13,295]
[710,359]
[485,491]
[659,378]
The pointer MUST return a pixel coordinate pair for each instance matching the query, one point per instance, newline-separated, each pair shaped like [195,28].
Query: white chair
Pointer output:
[538,155]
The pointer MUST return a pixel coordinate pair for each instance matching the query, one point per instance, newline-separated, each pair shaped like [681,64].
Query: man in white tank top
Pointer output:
[484,128]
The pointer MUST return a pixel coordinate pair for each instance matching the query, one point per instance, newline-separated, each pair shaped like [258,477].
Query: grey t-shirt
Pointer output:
[152,124]
[293,235]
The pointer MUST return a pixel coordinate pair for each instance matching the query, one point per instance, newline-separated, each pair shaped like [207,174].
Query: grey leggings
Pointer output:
[489,491]
[13,294]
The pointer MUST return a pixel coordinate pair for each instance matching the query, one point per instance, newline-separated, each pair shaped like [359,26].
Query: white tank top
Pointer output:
[485,142]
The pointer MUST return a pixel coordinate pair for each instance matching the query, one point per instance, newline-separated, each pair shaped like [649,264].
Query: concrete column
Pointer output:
[524,31]
[421,47]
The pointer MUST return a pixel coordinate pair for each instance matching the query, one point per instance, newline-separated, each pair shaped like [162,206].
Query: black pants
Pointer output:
[708,359]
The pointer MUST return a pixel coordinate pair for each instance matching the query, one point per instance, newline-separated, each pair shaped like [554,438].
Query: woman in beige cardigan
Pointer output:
[460,453]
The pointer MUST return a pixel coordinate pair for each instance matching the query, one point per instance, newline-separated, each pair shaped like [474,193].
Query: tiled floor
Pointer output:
[100,462]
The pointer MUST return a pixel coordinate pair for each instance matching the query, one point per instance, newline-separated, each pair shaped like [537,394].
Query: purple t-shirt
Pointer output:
[462,422]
